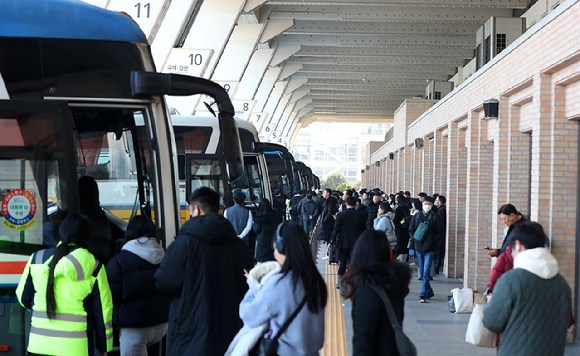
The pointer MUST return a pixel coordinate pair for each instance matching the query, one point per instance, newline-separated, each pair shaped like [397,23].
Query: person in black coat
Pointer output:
[372,210]
[309,214]
[425,249]
[279,203]
[402,233]
[511,217]
[440,253]
[350,224]
[140,310]
[203,270]
[327,216]
[265,223]
[370,264]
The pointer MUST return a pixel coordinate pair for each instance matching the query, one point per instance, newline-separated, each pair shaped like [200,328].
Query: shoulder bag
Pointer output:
[423,228]
[404,344]
[268,345]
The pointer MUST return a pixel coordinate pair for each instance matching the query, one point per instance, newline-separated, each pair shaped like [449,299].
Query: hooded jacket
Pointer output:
[265,227]
[203,270]
[131,273]
[83,304]
[385,223]
[531,306]
[248,337]
[373,334]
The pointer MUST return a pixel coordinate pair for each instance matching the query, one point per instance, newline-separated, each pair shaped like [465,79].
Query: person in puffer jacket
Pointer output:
[248,337]
[532,303]
[140,310]
[309,214]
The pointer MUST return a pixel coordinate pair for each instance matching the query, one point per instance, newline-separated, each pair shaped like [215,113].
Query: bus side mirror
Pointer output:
[152,83]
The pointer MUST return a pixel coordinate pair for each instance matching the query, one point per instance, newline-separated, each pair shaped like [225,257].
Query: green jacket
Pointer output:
[531,307]
[84,306]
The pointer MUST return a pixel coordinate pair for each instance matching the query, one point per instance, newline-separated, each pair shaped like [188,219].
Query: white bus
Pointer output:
[80,95]
[201,160]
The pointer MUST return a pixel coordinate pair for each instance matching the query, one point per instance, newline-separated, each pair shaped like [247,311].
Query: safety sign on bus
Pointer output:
[19,208]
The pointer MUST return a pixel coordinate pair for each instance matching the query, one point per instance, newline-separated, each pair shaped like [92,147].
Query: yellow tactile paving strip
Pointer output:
[334,330]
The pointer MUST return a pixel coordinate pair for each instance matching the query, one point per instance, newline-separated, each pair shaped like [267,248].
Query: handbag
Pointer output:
[268,345]
[463,299]
[477,334]
[404,344]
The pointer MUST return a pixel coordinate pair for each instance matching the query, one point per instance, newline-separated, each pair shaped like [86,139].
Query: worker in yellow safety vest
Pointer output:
[67,291]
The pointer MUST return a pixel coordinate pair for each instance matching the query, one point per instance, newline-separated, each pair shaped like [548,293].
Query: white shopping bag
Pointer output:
[463,299]
[477,334]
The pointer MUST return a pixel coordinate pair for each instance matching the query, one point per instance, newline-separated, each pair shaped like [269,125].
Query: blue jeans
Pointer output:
[425,260]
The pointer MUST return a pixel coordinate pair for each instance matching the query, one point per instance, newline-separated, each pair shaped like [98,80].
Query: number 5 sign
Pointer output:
[188,61]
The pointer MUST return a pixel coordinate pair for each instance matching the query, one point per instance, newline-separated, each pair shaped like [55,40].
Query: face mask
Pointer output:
[437,203]
[427,208]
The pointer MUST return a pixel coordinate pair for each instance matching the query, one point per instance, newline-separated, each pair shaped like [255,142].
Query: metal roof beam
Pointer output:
[344,52]
[377,68]
[302,27]
[353,75]
[388,12]
[379,40]
[493,3]
[383,60]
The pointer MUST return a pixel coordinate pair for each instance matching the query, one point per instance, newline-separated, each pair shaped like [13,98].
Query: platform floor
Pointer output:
[430,326]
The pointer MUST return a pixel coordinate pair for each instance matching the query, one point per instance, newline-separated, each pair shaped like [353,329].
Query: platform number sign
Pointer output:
[188,61]
[258,119]
[148,14]
[243,108]
[230,86]
[276,137]
[266,132]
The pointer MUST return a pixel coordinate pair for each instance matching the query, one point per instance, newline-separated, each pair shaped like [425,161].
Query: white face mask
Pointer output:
[437,203]
[427,208]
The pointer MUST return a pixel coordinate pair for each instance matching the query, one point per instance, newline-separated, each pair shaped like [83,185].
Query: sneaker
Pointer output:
[431,278]
[325,257]
[431,295]
[419,278]
[422,300]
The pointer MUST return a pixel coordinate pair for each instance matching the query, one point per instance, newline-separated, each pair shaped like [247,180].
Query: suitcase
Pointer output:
[333,255]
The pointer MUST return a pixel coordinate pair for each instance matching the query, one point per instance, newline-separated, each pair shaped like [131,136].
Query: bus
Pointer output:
[80,96]
[305,175]
[199,148]
[280,168]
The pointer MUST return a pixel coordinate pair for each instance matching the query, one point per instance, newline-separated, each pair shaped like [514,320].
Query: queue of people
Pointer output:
[204,293]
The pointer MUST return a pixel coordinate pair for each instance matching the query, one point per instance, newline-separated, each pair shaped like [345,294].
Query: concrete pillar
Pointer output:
[408,181]
[427,180]
[417,171]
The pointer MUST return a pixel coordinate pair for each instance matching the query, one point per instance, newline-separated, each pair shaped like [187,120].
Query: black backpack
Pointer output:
[406,221]
[294,205]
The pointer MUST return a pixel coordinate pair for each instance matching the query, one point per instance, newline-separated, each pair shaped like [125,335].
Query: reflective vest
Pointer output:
[84,306]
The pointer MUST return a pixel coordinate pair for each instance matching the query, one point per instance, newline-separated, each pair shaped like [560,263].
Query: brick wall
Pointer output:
[527,157]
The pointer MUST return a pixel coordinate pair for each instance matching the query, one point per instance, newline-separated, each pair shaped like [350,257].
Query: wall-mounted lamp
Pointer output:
[391,155]
[418,143]
[378,163]
[491,109]
[362,171]
[368,167]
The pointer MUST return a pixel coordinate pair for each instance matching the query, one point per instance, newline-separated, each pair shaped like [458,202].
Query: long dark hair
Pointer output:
[264,208]
[299,261]
[75,229]
[372,247]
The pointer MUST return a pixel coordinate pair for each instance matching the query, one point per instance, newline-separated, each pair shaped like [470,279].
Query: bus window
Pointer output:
[113,149]
[250,183]
[206,172]
[33,183]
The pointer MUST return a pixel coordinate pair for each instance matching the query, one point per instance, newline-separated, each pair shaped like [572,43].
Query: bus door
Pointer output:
[38,188]
[205,170]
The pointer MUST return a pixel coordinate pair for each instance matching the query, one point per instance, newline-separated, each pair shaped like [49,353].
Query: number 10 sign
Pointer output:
[188,61]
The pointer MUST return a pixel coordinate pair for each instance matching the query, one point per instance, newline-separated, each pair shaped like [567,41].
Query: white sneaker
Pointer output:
[325,257]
